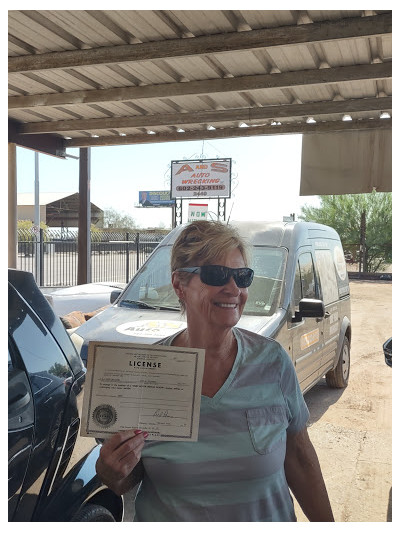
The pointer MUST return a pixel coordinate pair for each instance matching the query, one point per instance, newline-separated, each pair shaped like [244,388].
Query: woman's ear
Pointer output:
[177,285]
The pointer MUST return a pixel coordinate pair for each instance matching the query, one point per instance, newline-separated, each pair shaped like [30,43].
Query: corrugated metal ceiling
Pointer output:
[93,78]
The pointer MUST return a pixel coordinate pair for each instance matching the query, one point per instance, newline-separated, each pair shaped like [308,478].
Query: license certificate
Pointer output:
[150,387]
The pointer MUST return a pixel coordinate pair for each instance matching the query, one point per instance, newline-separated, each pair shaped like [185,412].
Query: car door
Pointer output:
[48,375]
[20,428]
[330,295]
[306,334]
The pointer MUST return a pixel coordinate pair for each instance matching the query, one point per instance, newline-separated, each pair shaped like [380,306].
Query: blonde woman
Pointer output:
[253,443]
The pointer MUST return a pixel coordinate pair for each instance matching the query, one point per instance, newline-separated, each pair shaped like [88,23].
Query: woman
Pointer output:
[253,443]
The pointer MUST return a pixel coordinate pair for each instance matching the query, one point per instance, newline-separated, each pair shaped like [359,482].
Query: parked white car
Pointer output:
[85,298]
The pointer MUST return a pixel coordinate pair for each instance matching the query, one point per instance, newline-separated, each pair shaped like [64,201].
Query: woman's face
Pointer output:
[213,306]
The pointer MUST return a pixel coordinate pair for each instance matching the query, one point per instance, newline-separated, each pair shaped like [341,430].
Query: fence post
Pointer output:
[137,252]
[41,262]
[127,258]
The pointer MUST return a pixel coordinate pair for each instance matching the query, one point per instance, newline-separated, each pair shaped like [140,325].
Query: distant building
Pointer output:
[56,209]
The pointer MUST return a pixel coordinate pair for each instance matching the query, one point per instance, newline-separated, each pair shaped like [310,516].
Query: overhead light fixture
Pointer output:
[384,114]
[94,135]
[243,125]
[151,132]
[276,123]
[311,120]
[122,134]
[180,130]
[346,118]
[209,127]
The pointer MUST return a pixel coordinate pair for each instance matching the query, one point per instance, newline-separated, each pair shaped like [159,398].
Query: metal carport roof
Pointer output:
[100,78]
[82,78]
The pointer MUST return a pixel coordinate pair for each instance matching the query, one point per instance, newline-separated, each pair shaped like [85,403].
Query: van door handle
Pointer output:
[326,315]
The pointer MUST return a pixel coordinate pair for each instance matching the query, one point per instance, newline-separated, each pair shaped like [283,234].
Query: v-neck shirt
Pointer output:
[235,471]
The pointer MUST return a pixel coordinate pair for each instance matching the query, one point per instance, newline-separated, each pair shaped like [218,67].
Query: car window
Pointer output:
[152,285]
[43,359]
[269,266]
[327,274]
[305,285]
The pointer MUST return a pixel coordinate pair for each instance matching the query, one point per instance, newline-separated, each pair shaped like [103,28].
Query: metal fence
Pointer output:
[52,255]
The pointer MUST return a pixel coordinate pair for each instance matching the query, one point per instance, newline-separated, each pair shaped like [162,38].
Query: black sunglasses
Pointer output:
[217,275]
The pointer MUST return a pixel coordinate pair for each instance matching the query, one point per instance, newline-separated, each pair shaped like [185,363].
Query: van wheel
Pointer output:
[339,376]
[93,513]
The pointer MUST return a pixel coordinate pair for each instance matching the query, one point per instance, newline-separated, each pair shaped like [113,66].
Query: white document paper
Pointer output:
[145,386]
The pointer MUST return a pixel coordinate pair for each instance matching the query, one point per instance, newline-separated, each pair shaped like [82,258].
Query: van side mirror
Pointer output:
[114,295]
[309,308]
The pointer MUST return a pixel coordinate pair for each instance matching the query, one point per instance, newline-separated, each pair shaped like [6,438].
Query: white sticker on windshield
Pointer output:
[151,328]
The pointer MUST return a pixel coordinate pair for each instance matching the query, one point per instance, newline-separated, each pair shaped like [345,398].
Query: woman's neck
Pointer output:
[218,345]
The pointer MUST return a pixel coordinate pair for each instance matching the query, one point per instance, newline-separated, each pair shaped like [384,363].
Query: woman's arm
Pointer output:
[304,477]
[118,458]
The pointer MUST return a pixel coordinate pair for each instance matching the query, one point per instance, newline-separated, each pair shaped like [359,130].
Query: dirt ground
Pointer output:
[351,429]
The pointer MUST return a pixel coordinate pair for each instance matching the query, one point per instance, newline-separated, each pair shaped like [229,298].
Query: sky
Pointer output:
[265,176]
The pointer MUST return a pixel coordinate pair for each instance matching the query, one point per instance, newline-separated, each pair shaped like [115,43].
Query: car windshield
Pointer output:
[152,287]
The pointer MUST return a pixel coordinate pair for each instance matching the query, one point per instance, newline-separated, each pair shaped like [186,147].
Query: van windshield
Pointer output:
[152,287]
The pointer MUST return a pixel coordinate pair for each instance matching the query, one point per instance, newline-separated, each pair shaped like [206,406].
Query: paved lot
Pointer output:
[351,429]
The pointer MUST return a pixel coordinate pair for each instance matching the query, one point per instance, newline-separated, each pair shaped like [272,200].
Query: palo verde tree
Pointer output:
[363,221]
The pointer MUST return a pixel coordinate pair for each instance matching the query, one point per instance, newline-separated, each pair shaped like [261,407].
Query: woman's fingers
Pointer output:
[120,454]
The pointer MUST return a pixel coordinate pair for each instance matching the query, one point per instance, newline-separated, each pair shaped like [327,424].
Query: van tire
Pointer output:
[93,513]
[339,377]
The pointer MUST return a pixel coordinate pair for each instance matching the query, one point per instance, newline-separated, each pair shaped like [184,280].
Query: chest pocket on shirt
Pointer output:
[267,427]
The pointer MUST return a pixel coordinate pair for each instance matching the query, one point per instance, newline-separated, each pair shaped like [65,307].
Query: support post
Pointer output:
[12,205]
[39,233]
[127,258]
[178,212]
[84,217]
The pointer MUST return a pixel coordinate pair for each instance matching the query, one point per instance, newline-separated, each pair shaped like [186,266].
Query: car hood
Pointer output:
[122,324]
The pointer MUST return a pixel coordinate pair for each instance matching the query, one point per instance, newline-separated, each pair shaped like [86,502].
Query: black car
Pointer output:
[387,351]
[51,469]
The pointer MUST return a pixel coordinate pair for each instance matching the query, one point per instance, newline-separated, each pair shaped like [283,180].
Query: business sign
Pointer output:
[155,199]
[201,178]
[197,212]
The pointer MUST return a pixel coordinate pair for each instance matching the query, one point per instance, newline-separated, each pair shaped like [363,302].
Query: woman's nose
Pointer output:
[232,287]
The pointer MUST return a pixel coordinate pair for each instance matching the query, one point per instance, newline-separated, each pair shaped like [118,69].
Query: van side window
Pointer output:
[297,287]
[305,286]
[327,274]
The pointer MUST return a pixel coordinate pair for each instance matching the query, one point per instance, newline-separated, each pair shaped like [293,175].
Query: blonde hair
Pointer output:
[204,242]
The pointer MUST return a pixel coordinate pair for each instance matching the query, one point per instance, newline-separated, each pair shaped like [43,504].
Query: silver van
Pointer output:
[300,297]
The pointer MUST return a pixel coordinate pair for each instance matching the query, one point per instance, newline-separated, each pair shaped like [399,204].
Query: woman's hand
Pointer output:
[118,457]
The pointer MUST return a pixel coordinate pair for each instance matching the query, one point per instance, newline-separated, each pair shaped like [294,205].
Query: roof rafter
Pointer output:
[263,38]
[242,83]
[212,117]
[222,133]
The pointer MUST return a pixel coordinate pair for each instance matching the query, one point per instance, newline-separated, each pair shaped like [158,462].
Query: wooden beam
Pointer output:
[241,83]
[209,44]
[12,206]
[222,133]
[212,117]
[84,216]
[45,143]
